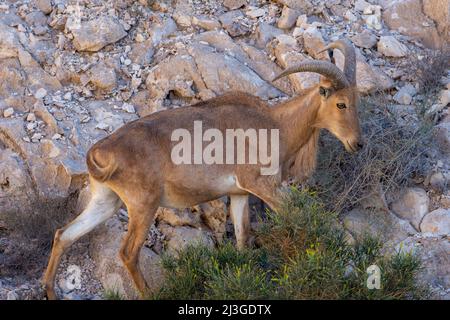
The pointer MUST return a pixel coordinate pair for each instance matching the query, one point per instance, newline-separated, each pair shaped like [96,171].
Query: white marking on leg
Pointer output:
[239,212]
[103,204]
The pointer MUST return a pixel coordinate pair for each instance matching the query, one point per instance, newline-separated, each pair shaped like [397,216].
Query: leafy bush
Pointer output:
[302,254]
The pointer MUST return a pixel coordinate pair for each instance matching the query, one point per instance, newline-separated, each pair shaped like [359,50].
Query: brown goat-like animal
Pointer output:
[133,165]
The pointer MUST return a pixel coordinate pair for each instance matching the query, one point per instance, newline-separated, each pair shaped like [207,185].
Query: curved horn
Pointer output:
[350,58]
[324,68]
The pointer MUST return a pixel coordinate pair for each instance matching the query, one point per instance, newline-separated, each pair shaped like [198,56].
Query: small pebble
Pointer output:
[8,112]
[40,93]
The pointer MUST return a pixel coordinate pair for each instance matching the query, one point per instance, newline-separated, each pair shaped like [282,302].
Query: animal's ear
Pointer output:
[324,92]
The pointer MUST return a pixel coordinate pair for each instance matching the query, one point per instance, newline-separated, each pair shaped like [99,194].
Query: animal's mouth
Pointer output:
[352,147]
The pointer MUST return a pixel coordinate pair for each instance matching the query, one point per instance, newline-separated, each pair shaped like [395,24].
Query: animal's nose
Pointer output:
[360,145]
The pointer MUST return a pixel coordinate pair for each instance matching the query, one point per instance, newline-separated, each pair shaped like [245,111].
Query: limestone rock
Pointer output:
[178,218]
[180,237]
[412,205]
[442,136]
[142,52]
[210,71]
[234,4]
[313,42]
[8,112]
[44,5]
[433,252]
[205,22]
[306,6]
[288,55]
[364,39]
[214,215]
[438,10]
[288,18]
[161,29]
[437,221]
[103,77]
[222,73]
[231,23]
[255,13]
[405,94]
[372,17]
[93,35]
[391,47]
[265,33]
[407,17]
[15,181]
[379,223]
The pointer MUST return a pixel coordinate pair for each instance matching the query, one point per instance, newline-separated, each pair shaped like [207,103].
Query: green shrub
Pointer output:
[302,254]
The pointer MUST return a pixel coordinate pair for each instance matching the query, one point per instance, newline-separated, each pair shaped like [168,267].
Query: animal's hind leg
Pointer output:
[103,204]
[140,219]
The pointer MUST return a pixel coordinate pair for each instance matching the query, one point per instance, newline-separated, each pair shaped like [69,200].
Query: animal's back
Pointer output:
[150,137]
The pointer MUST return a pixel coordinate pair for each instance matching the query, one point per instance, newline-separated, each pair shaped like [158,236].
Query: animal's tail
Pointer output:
[101,164]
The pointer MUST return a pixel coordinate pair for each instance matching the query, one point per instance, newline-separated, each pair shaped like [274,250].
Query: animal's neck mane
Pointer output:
[298,116]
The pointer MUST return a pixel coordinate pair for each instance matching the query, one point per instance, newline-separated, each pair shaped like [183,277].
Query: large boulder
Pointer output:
[391,47]
[442,136]
[94,34]
[178,238]
[437,221]
[379,223]
[439,11]
[265,33]
[433,252]
[412,205]
[211,72]
[407,17]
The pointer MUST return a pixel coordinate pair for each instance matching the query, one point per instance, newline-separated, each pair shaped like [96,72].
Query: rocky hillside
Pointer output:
[74,71]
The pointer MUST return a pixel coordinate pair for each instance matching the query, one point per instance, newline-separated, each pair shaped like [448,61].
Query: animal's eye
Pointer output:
[341,105]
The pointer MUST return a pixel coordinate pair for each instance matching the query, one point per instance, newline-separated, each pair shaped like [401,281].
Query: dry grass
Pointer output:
[429,69]
[391,155]
[30,232]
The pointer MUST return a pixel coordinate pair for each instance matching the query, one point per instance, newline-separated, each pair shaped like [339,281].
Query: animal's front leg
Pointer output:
[240,216]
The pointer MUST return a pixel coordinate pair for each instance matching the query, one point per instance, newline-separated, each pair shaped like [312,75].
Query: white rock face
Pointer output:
[405,94]
[412,206]
[8,112]
[40,93]
[437,221]
[179,238]
[391,47]
[433,252]
[93,35]
[288,18]
[379,223]
[365,39]
[407,17]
